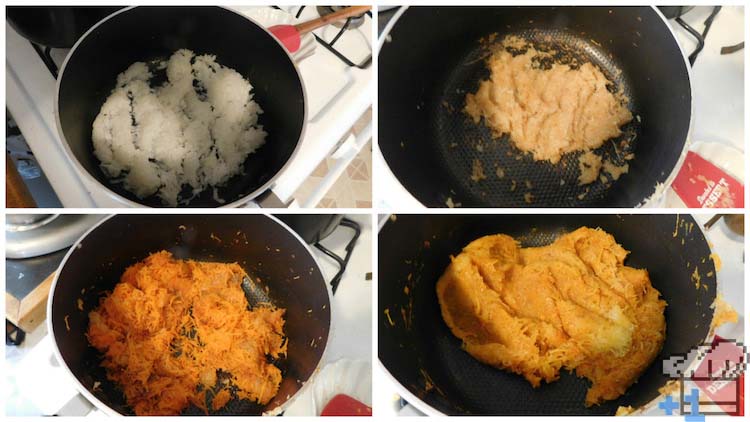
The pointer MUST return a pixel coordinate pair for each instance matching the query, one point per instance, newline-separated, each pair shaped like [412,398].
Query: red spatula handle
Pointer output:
[288,35]
[338,15]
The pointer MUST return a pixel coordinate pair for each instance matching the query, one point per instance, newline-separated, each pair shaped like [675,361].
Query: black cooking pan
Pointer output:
[148,33]
[431,58]
[55,26]
[437,376]
[264,247]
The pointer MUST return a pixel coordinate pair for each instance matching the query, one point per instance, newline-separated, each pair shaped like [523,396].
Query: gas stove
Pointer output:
[718,107]
[337,76]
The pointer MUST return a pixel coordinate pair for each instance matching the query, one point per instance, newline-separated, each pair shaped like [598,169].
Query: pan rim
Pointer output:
[658,194]
[660,187]
[429,410]
[98,404]
[268,185]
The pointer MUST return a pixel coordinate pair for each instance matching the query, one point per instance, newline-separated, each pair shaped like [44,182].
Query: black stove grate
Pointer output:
[700,37]
[44,53]
[342,262]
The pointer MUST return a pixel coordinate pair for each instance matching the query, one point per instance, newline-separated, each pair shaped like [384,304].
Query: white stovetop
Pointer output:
[337,95]
[36,385]
[730,278]
[718,98]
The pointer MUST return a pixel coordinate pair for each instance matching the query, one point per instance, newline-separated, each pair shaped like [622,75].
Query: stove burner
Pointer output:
[350,23]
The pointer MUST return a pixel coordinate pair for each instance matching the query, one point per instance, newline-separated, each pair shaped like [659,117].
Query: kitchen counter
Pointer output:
[23,275]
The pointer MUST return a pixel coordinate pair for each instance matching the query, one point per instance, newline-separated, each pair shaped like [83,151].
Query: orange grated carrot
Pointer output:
[173,330]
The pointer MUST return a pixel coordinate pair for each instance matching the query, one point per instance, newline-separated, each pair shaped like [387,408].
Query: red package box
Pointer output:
[700,184]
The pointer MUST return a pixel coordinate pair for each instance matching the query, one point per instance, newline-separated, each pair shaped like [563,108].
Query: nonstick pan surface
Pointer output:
[266,249]
[421,353]
[144,34]
[433,57]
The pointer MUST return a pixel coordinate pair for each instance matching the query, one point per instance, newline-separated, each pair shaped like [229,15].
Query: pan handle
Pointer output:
[268,199]
[409,410]
[77,406]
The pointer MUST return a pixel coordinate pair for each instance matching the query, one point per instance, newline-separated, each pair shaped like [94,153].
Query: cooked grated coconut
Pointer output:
[191,133]
[589,165]
[546,112]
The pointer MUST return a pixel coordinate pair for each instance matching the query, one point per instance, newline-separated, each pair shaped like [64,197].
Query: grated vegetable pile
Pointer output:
[175,333]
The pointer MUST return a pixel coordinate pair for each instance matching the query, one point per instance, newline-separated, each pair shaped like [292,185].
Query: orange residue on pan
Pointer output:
[175,333]
[670,387]
[624,410]
[387,313]
[428,383]
[696,277]
[724,313]
[717,261]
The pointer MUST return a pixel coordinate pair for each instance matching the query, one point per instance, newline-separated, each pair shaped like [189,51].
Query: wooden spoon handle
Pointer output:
[348,12]
[17,195]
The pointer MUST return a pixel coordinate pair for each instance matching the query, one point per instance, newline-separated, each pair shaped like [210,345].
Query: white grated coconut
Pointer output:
[157,141]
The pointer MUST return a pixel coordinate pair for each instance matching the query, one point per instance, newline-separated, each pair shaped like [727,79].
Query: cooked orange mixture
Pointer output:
[570,305]
[547,112]
[175,333]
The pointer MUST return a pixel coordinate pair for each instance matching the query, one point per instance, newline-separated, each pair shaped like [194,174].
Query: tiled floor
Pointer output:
[353,189]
